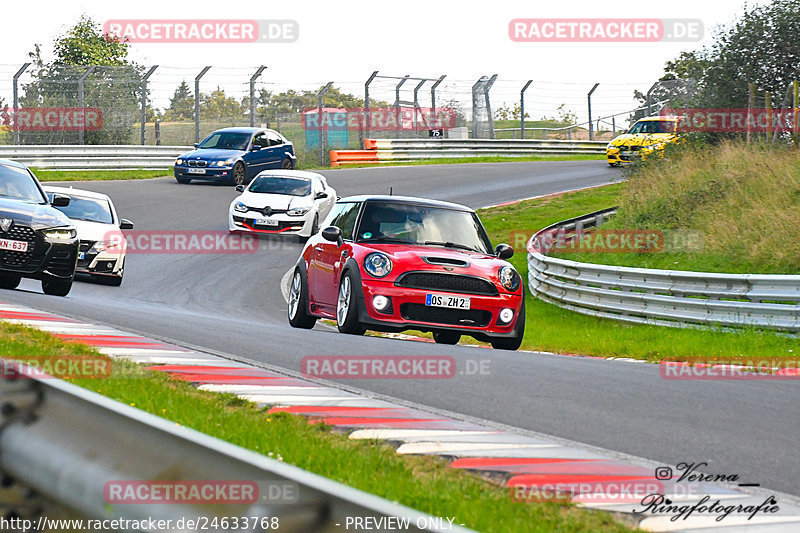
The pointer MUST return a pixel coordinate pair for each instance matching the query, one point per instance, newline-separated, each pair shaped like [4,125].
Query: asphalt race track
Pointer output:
[232,303]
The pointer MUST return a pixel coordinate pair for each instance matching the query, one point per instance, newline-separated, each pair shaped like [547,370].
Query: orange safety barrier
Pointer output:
[353,157]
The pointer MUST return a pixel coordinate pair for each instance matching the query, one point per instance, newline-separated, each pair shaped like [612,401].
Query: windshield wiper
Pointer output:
[389,240]
[449,244]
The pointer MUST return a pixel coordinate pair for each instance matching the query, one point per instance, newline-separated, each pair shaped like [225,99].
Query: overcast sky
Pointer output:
[345,41]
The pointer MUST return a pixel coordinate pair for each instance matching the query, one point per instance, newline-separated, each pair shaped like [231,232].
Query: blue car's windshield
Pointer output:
[90,209]
[17,183]
[281,185]
[226,140]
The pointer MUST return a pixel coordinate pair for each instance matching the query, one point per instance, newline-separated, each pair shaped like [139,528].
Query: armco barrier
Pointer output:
[94,157]
[390,150]
[661,297]
[63,444]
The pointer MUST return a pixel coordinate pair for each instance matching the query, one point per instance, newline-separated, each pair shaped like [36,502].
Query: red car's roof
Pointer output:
[404,200]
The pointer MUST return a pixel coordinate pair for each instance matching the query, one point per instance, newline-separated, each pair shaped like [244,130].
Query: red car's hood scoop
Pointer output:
[445,261]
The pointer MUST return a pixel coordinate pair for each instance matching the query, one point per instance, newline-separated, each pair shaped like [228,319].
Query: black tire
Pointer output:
[512,343]
[346,311]
[9,281]
[446,337]
[184,181]
[298,314]
[287,164]
[56,286]
[239,174]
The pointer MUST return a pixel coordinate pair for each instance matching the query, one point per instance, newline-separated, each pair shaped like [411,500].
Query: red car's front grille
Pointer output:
[441,315]
[434,281]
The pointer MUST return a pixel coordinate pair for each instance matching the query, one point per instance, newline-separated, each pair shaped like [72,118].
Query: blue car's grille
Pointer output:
[197,163]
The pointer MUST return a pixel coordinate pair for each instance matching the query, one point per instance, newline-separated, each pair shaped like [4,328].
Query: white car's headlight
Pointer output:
[63,234]
[100,246]
[378,265]
[509,278]
[179,161]
[240,207]
[298,211]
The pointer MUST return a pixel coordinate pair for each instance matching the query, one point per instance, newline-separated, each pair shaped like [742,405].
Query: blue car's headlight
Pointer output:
[378,265]
[240,207]
[179,161]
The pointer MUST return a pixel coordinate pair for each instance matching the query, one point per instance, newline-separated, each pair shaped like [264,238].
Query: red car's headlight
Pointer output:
[378,265]
[509,278]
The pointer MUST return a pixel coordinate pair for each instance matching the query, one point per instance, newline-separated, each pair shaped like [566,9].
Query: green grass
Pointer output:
[421,482]
[97,175]
[742,200]
[550,328]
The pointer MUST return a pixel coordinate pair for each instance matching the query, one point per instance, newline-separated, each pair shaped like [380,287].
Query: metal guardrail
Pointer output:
[390,150]
[407,149]
[63,443]
[661,297]
[94,157]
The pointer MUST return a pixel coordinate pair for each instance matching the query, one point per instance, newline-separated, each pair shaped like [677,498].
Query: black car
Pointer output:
[36,240]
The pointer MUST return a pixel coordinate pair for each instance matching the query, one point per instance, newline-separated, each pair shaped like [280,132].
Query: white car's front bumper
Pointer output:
[279,224]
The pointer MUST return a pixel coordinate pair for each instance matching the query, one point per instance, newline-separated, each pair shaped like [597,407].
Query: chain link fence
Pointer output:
[178,106]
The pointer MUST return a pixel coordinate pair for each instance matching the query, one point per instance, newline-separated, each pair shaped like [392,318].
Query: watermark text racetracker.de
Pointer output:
[180,242]
[389,367]
[194,31]
[776,369]
[604,30]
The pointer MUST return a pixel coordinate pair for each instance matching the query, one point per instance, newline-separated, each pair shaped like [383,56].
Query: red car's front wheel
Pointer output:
[346,312]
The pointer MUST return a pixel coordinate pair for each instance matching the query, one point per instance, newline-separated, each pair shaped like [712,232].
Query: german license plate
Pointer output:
[626,153]
[14,246]
[196,170]
[452,302]
[266,222]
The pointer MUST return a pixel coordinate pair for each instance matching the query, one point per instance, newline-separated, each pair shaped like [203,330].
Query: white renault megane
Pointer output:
[282,202]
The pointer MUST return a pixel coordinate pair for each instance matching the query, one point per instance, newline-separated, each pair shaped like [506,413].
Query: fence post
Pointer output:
[15,111]
[522,108]
[320,122]
[589,99]
[486,88]
[397,103]
[157,128]
[253,79]
[80,101]
[649,92]
[433,91]
[197,103]
[416,105]
[768,106]
[144,99]
[366,107]
[796,109]
[751,96]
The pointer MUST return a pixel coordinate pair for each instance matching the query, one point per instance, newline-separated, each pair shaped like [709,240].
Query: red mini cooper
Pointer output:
[391,263]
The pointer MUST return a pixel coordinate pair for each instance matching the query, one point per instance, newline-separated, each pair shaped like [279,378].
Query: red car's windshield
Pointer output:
[422,225]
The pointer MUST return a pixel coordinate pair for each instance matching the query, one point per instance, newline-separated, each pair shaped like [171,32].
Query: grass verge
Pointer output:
[98,175]
[550,328]
[420,482]
[740,200]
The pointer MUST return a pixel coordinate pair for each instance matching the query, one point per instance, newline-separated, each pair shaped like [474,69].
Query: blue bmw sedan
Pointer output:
[235,155]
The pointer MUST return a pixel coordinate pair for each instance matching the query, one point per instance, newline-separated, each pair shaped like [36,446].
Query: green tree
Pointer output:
[218,105]
[181,105]
[113,85]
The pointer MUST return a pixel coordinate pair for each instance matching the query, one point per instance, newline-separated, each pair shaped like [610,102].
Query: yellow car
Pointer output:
[647,136]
